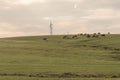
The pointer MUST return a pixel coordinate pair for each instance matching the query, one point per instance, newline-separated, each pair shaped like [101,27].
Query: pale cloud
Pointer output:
[16,2]
[28,2]
[103,14]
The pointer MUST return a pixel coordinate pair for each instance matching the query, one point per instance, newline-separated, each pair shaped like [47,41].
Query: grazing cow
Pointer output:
[95,35]
[75,36]
[45,39]
[108,32]
[66,37]
[81,34]
[99,33]
[88,36]
[103,35]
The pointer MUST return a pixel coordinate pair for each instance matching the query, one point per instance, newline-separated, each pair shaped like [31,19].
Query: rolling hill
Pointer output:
[37,58]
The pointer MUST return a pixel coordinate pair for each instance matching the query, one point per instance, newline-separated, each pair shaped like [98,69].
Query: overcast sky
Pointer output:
[32,17]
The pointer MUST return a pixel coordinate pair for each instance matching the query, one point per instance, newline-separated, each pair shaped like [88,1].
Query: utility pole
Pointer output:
[51,28]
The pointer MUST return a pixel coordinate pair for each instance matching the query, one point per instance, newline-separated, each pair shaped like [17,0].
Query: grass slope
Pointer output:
[86,56]
[27,78]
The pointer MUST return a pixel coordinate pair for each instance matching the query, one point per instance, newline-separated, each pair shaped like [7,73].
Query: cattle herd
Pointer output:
[94,35]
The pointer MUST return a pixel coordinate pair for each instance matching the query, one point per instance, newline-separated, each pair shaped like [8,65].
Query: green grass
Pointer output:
[27,78]
[33,55]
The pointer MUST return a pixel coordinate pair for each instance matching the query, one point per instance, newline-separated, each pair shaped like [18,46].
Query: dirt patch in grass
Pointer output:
[66,75]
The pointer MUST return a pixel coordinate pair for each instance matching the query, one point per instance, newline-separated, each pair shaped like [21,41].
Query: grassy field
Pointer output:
[30,58]
[27,78]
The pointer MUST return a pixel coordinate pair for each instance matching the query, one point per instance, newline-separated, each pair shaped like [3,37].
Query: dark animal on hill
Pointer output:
[81,34]
[75,36]
[66,37]
[45,39]
[88,36]
[95,35]
[99,33]
[108,32]
[103,35]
